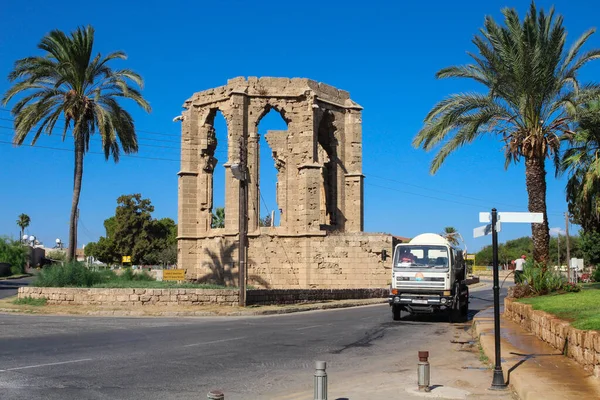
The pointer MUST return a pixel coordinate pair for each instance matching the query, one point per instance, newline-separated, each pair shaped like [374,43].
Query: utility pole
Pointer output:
[243,223]
[568,249]
[558,249]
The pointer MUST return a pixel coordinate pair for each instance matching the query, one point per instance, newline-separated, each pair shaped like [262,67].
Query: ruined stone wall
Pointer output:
[334,261]
[319,187]
[582,346]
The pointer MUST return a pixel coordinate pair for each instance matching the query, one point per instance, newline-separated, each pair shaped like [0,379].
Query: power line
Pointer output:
[141,144]
[445,192]
[62,127]
[90,152]
[139,130]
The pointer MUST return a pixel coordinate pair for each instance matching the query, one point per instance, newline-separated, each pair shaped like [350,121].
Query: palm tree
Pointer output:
[218,218]
[451,235]
[23,222]
[532,90]
[69,81]
[581,162]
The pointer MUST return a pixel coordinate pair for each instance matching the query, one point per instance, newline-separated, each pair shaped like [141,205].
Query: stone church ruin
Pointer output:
[319,242]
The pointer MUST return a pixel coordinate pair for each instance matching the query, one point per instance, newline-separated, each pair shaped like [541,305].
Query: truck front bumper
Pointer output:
[414,302]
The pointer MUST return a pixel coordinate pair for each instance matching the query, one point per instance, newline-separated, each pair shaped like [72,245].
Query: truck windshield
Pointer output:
[421,257]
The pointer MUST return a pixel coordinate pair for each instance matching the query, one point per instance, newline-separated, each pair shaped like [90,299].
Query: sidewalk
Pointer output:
[534,369]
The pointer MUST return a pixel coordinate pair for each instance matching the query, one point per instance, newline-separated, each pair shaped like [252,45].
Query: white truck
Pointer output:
[429,276]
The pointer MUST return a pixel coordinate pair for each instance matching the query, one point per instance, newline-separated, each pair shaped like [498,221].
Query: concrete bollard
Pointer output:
[423,371]
[320,380]
[215,395]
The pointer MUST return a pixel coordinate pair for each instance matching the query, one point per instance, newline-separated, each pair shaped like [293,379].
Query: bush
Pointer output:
[571,287]
[596,275]
[542,280]
[14,253]
[519,291]
[129,275]
[73,274]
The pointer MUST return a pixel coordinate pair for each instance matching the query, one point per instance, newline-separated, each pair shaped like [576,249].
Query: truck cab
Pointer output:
[429,277]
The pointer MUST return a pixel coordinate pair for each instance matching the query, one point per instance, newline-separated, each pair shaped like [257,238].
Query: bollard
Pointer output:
[423,371]
[215,395]
[320,381]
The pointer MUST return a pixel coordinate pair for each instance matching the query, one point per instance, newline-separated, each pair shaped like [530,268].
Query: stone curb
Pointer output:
[8,278]
[245,313]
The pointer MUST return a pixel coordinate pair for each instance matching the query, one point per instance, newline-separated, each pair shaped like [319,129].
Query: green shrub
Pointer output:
[596,275]
[129,275]
[73,274]
[542,280]
[14,253]
[570,287]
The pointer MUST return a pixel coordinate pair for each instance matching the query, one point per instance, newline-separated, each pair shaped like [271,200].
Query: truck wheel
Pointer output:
[396,313]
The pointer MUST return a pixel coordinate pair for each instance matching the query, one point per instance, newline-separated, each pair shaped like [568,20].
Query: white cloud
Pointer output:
[557,231]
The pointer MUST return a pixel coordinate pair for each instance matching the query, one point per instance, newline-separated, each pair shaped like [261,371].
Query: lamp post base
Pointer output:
[498,381]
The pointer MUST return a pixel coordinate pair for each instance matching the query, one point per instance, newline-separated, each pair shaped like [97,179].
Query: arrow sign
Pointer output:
[485,230]
[520,217]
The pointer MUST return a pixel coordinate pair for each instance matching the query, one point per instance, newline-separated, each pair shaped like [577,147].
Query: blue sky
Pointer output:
[384,53]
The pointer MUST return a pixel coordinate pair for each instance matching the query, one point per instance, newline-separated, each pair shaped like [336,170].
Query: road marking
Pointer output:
[45,365]
[309,327]
[215,341]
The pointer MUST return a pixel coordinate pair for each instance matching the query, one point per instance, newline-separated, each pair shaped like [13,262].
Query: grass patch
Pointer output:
[17,276]
[580,309]
[482,357]
[30,301]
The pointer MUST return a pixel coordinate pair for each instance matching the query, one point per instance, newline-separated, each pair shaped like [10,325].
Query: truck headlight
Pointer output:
[443,300]
[396,299]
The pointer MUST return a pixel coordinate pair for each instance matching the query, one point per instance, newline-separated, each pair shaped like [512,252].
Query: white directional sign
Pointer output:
[513,217]
[521,217]
[485,217]
[486,230]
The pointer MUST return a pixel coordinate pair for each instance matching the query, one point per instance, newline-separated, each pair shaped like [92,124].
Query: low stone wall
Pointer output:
[132,297]
[582,346]
[190,297]
[294,296]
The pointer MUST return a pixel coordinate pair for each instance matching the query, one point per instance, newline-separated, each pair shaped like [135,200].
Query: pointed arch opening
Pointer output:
[272,136]
[327,157]
[218,148]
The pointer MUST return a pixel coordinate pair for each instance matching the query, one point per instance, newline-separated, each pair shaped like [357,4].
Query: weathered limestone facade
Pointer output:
[319,242]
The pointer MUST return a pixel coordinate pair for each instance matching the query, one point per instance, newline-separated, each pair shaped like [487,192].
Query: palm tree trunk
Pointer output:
[535,179]
[79,149]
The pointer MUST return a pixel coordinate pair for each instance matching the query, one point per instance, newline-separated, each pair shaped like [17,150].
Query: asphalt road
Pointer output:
[46,357]
[9,287]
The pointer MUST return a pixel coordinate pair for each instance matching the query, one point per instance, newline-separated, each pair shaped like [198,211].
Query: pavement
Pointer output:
[532,368]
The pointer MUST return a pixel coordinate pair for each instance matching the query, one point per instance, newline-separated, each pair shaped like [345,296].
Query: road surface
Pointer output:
[51,357]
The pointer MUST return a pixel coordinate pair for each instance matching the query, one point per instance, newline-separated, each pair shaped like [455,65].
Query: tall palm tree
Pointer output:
[23,222]
[68,81]
[582,163]
[532,88]
[451,235]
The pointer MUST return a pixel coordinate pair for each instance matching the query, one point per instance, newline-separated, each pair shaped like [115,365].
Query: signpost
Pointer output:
[494,227]
[173,274]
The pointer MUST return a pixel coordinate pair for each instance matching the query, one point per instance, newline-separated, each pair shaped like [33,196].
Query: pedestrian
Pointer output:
[519,264]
